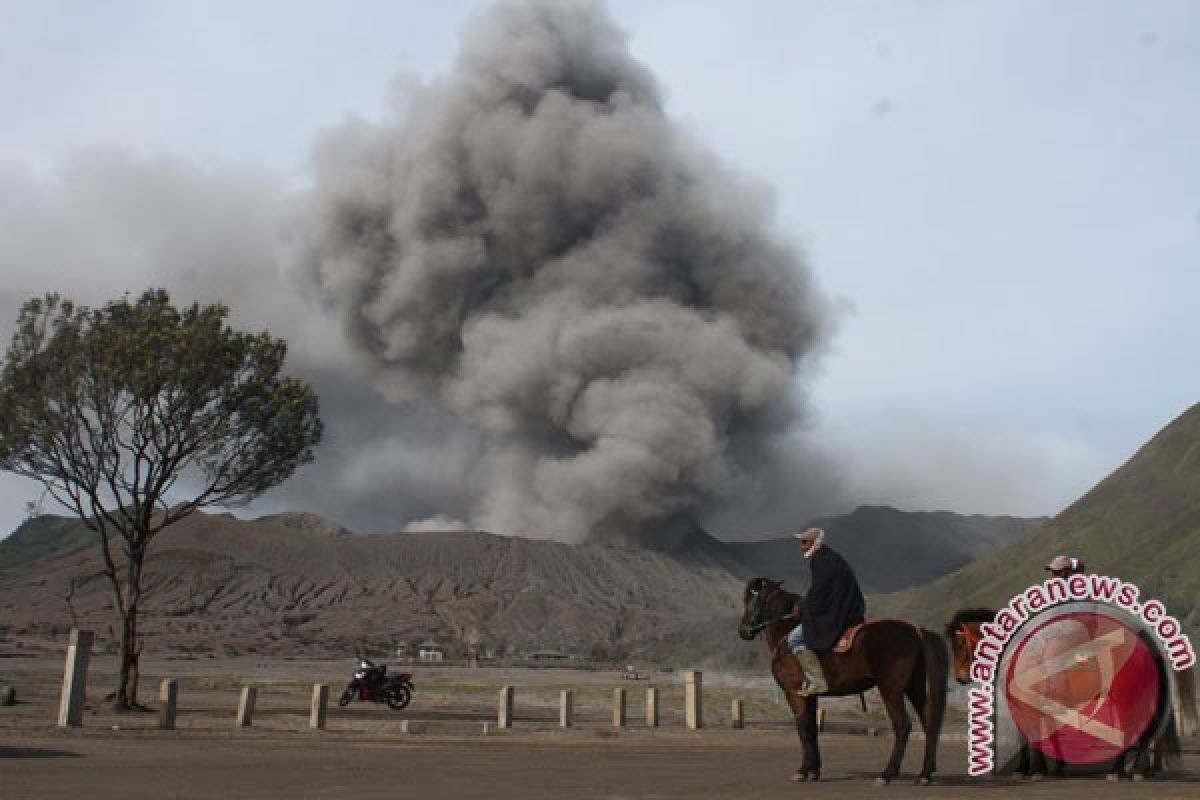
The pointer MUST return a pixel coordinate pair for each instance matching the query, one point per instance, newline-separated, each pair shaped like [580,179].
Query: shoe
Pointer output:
[814,676]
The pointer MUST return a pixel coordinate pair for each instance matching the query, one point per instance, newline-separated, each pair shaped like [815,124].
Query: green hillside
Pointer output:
[42,537]
[1141,523]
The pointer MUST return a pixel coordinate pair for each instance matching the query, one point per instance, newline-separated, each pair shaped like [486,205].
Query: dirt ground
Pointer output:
[717,764]
[364,754]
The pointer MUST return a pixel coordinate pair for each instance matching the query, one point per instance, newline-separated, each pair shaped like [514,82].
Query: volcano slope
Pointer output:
[295,583]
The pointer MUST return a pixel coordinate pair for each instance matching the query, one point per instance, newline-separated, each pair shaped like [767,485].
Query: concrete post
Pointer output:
[70,707]
[618,708]
[504,708]
[651,707]
[737,717]
[566,709]
[320,701]
[693,686]
[245,711]
[168,695]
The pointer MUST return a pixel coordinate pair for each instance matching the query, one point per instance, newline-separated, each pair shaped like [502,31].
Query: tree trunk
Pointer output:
[131,651]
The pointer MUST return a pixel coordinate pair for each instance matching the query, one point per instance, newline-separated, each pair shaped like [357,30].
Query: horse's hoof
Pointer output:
[923,780]
[882,781]
[1037,776]
[1137,776]
[799,776]
[1112,777]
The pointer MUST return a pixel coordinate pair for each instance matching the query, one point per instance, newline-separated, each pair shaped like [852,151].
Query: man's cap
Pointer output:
[1060,562]
[808,532]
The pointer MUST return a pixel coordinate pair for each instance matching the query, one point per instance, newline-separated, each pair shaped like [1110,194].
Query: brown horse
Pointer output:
[964,634]
[898,658]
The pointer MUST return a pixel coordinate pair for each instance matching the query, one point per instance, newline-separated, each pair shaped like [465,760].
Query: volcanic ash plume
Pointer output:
[535,245]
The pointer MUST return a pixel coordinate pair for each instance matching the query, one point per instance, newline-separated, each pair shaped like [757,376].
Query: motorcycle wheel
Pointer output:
[399,697]
[347,696]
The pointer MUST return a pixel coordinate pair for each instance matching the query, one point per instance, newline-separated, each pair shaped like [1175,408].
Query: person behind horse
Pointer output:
[1065,566]
[1034,762]
[833,604]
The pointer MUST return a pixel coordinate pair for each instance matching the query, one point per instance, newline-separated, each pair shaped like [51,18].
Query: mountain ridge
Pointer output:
[295,581]
[1140,523]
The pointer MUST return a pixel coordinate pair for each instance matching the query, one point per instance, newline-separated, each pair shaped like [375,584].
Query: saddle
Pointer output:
[846,641]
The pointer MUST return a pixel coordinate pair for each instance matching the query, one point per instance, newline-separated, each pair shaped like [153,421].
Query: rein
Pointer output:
[762,626]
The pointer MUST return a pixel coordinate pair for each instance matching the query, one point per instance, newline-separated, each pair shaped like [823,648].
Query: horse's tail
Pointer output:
[937,671]
[1167,751]
[1185,687]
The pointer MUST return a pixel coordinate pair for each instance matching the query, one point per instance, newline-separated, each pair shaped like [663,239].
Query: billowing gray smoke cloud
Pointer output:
[535,246]
[107,222]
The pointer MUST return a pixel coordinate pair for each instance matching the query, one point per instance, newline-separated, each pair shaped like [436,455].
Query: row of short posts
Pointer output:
[71,705]
[75,679]
[693,706]
[79,648]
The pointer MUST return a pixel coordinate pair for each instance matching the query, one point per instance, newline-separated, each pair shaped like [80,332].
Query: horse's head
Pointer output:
[763,602]
[964,634]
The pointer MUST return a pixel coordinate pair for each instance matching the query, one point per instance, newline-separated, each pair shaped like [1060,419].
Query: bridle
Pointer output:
[760,600]
[971,635]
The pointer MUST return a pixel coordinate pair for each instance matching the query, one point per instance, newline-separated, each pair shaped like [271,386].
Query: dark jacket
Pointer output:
[833,603]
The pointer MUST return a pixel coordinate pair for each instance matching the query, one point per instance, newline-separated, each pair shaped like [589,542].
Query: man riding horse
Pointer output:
[833,604]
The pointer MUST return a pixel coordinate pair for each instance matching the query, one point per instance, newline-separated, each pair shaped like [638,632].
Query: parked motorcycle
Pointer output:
[373,683]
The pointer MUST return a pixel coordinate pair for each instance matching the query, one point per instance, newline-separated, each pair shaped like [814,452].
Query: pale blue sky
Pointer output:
[1003,197]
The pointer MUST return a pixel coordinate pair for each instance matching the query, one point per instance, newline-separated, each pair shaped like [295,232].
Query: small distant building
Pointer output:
[548,655]
[430,650]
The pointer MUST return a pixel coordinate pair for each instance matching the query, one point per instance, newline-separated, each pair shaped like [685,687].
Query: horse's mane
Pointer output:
[781,590]
[966,615]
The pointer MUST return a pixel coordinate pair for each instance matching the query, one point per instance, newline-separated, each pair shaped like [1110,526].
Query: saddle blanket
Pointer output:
[847,639]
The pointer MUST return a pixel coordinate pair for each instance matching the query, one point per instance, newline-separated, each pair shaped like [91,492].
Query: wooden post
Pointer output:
[820,719]
[245,711]
[619,707]
[320,701]
[693,684]
[566,709]
[651,707]
[70,707]
[737,716]
[168,694]
[504,708]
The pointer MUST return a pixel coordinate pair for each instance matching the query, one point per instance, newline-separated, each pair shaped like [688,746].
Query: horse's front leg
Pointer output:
[1118,769]
[1142,767]
[804,710]
[1032,765]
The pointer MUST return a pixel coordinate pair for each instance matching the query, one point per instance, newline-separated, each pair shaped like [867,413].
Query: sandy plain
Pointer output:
[364,754]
